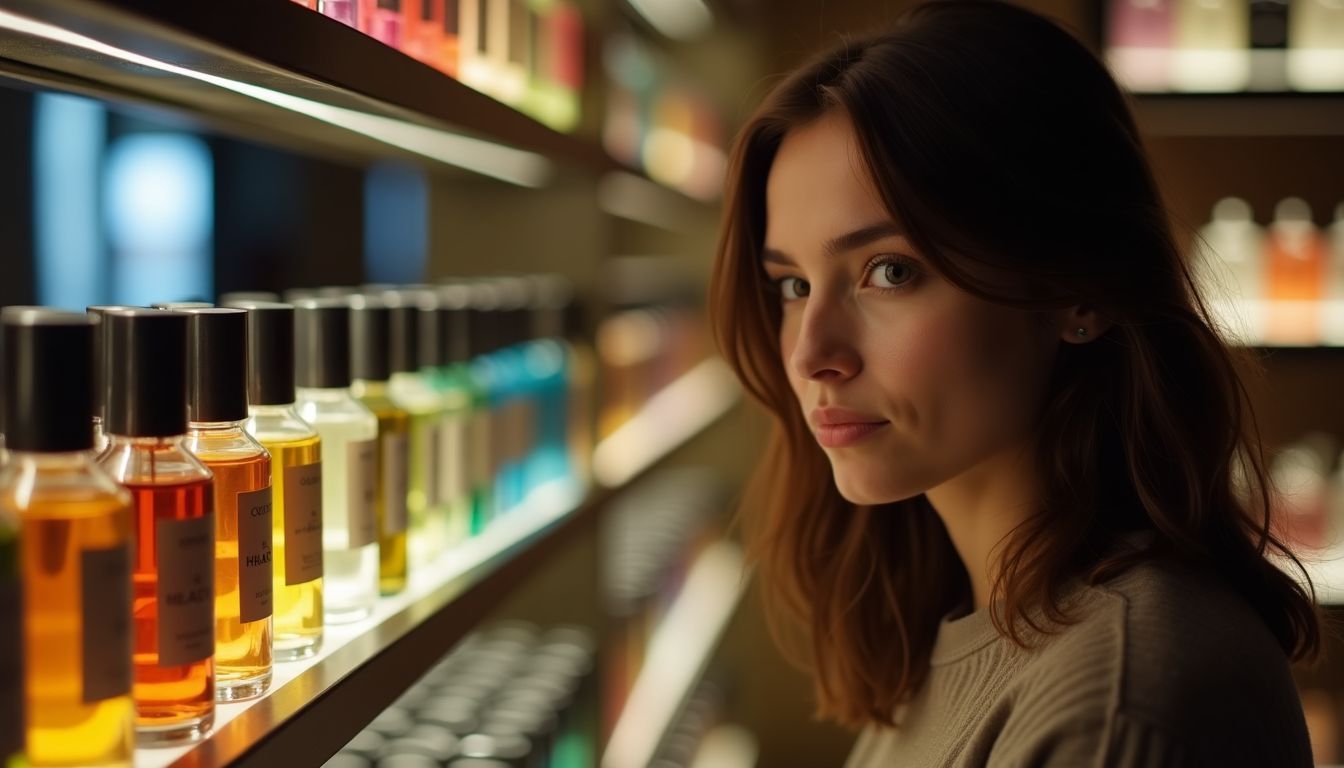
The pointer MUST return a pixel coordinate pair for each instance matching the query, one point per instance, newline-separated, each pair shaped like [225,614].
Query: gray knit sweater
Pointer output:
[1168,667]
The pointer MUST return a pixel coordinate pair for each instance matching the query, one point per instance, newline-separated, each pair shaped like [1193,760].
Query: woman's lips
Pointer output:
[846,433]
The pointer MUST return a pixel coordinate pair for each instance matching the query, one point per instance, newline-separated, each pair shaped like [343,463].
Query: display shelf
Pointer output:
[275,69]
[679,410]
[678,655]
[315,705]
[1240,114]
[1282,325]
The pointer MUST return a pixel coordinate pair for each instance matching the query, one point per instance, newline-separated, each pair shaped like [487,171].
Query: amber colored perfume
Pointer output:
[216,411]
[1295,278]
[172,495]
[296,479]
[74,544]
[371,370]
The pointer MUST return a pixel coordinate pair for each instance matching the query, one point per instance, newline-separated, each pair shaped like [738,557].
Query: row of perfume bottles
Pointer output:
[1281,284]
[507,695]
[651,536]
[526,53]
[1227,45]
[378,413]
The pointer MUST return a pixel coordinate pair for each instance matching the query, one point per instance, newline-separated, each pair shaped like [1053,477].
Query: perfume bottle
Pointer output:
[549,360]
[171,491]
[476,26]
[349,434]
[75,536]
[424,30]
[1316,45]
[296,479]
[1231,269]
[371,370]
[467,479]
[1334,304]
[1138,43]
[344,11]
[511,394]
[1296,274]
[216,412]
[450,50]
[11,635]
[412,391]
[1212,46]
[383,21]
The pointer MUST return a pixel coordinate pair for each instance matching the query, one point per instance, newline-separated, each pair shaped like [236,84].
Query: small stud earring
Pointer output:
[1082,333]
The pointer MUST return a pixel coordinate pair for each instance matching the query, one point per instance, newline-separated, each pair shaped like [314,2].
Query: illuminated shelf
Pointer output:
[1326,569]
[678,655]
[1240,114]
[277,72]
[1248,322]
[314,706]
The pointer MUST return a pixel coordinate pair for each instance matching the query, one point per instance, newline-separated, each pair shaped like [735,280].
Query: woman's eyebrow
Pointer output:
[772,256]
[861,237]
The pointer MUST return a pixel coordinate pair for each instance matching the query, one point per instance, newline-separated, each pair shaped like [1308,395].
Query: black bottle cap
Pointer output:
[405,323]
[370,339]
[216,364]
[429,345]
[233,297]
[147,372]
[48,397]
[322,343]
[270,351]
[178,305]
[455,323]
[100,365]
[484,329]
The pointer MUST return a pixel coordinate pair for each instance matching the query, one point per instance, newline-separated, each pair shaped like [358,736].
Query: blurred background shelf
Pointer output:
[678,655]
[1240,114]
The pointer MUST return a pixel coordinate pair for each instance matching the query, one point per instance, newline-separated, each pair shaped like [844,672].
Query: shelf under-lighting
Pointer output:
[690,403]
[678,655]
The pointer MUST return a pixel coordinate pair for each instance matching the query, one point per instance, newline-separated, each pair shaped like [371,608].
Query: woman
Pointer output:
[1011,499]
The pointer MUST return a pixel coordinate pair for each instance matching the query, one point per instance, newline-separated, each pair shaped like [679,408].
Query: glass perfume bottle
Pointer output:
[476,25]
[11,634]
[548,362]
[450,52]
[1295,280]
[1138,43]
[296,479]
[344,11]
[1212,46]
[411,390]
[216,412]
[1316,45]
[370,370]
[384,21]
[349,434]
[467,453]
[1232,268]
[171,491]
[511,394]
[74,546]
[424,30]
[100,365]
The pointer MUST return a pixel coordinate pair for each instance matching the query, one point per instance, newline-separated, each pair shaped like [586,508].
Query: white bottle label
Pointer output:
[186,592]
[361,492]
[456,479]
[254,555]
[396,483]
[303,523]
[105,605]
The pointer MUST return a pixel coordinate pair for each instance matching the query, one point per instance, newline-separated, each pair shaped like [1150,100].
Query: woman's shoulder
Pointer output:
[1170,649]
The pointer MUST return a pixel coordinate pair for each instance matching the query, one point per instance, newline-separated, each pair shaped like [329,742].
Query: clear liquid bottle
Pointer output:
[412,390]
[172,493]
[68,527]
[549,362]
[371,369]
[296,479]
[467,332]
[216,411]
[349,434]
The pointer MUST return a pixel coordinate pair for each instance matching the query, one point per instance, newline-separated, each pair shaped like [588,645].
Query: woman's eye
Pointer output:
[793,288]
[891,274]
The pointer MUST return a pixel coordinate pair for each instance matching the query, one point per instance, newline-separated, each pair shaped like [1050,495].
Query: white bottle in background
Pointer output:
[1316,45]
[1333,332]
[1212,46]
[349,433]
[1231,271]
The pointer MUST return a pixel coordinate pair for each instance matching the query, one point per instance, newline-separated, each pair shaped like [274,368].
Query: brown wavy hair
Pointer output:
[994,138]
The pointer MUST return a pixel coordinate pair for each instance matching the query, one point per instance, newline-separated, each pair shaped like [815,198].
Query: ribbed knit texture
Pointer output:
[1168,667]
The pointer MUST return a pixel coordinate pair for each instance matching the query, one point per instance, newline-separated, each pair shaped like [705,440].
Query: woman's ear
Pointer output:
[1080,324]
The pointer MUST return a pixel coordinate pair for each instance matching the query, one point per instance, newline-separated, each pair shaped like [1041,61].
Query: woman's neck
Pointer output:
[981,507]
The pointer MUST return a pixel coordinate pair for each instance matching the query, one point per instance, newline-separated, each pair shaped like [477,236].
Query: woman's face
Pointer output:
[906,381]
